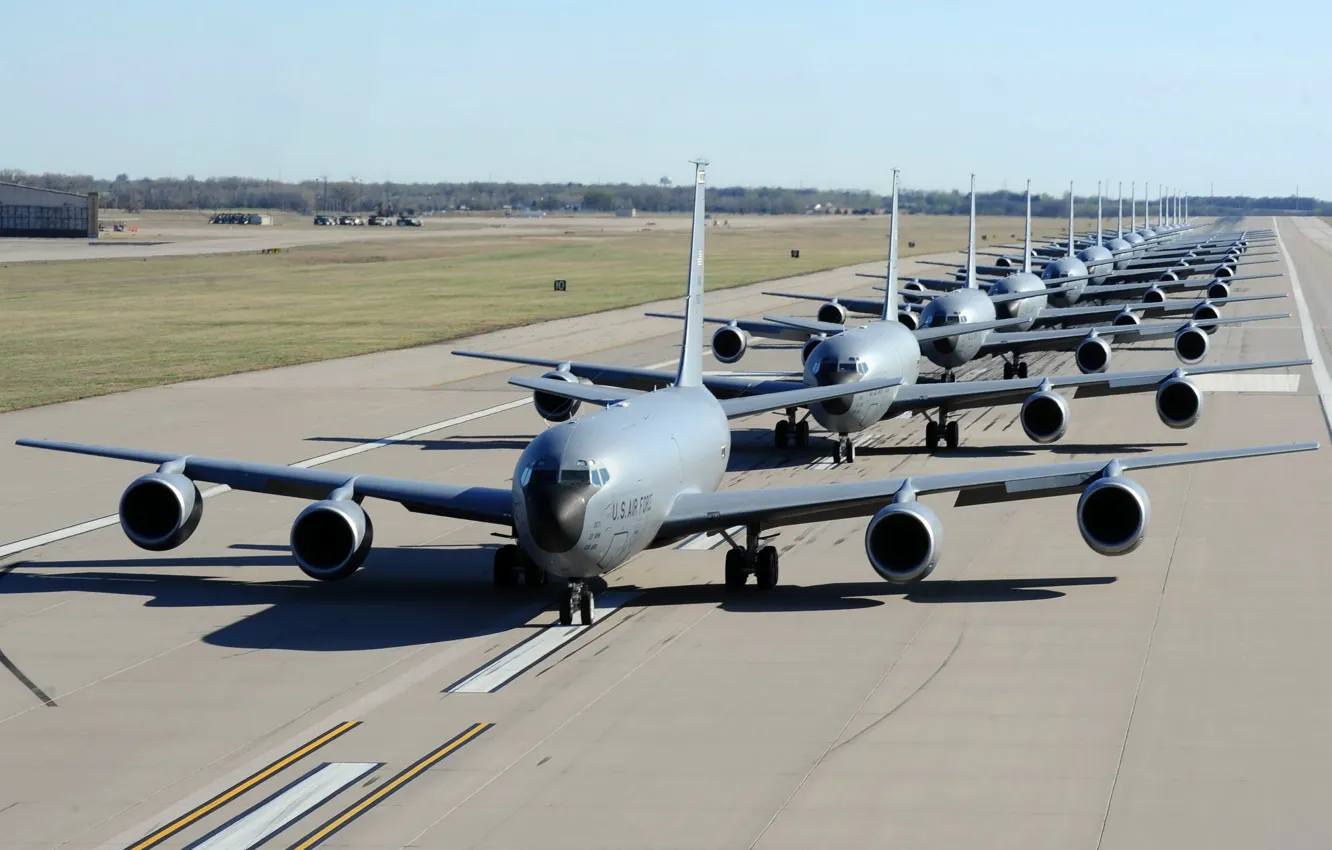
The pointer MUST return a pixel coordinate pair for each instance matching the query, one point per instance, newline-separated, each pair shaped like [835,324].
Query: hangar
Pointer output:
[29,211]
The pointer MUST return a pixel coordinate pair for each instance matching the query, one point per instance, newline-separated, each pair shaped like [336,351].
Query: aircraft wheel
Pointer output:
[765,567]
[931,435]
[781,432]
[736,574]
[566,607]
[802,434]
[1008,371]
[1022,370]
[505,569]
[587,607]
[533,575]
[850,451]
[837,452]
[951,434]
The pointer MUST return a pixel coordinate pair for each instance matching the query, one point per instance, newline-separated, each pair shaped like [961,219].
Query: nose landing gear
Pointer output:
[578,596]
[1016,369]
[844,450]
[788,428]
[949,431]
[762,561]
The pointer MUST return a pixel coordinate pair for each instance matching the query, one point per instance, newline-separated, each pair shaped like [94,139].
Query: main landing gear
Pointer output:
[789,428]
[578,597]
[943,428]
[844,450]
[1016,369]
[513,566]
[751,558]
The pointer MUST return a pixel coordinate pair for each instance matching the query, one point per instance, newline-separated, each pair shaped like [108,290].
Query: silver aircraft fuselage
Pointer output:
[587,496]
[880,349]
[959,307]
[1026,308]
[1065,267]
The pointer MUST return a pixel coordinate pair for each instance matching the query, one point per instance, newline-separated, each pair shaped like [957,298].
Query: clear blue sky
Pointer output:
[830,94]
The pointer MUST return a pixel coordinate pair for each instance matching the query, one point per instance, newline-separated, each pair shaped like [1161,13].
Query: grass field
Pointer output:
[82,328]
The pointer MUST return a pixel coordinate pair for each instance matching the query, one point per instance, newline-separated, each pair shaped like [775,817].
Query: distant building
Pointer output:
[47,213]
[627,213]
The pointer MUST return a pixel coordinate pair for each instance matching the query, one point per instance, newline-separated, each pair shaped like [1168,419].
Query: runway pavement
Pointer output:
[1029,694]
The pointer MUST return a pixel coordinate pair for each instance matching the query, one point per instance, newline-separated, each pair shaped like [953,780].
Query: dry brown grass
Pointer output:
[75,329]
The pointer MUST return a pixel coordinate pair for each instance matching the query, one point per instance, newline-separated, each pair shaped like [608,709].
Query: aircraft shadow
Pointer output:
[401,597]
[514,441]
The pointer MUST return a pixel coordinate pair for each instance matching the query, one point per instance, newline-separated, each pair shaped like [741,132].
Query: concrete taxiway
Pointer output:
[1029,694]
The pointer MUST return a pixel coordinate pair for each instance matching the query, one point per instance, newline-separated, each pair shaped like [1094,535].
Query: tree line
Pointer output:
[308,196]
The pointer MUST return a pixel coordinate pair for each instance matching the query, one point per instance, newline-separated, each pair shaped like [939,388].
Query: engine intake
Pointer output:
[1191,344]
[809,346]
[1218,289]
[729,344]
[1044,416]
[902,542]
[1154,296]
[910,287]
[832,313]
[1112,515]
[159,511]
[1224,271]
[1171,276]
[1127,317]
[555,408]
[1179,402]
[1092,355]
[330,539]
[909,319]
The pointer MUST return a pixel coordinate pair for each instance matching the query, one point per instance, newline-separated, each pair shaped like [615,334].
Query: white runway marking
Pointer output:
[1311,347]
[1252,382]
[351,451]
[709,541]
[529,653]
[254,827]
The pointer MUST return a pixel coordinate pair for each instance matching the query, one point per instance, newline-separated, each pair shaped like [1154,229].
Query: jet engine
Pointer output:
[1224,271]
[1154,295]
[809,346]
[909,287]
[1092,355]
[1112,515]
[1218,289]
[1207,311]
[1191,344]
[330,539]
[831,312]
[729,344]
[909,318]
[160,510]
[1171,276]
[902,542]
[1044,416]
[1179,402]
[1007,263]
[554,408]
[1126,317]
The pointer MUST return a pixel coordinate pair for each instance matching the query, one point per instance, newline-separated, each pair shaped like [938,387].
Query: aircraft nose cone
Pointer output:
[555,514]
[829,378]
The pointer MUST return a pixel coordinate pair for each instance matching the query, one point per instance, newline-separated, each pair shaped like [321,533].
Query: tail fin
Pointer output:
[971,239]
[890,291]
[1133,206]
[1071,252]
[1026,235]
[1119,223]
[1099,195]
[690,373]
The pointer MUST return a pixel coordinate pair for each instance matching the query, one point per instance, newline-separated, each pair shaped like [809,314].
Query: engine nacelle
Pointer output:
[1207,311]
[1113,514]
[809,346]
[1217,289]
[330,539]
[1179,402]
[1191,344]
[832,312]
[1044,416]
[1224,271]
[902,542]
[1127,317]
[1170,276]
[909,287]
[1154,296]
[554,408]
[1007,263]
[909,318]
[160,510]
[1092,355]
[729,344]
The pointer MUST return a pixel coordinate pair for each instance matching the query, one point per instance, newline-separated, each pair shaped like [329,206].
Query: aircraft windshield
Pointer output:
[585,473]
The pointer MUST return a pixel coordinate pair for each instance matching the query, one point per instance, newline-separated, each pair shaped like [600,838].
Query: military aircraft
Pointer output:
[589,494]
[886,349]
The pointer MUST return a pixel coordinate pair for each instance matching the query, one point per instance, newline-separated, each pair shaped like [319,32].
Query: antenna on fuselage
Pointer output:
[890,291]
[690,373]
[971,238]
[1026,235]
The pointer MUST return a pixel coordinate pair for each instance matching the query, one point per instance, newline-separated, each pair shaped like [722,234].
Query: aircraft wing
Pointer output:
[482,504]
[814,326]
[870,306]
[590,393]
[1068,338]
[802,397]
[961,395]
[1021,296]
[1169,307]
[767,330]
[693,513]
[630,377]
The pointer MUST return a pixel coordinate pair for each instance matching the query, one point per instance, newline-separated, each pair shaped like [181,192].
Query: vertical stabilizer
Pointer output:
[890,291]
[1099,194]
[1119,220]
[1026,234]
[690,373]
[1186,209]
[1071,252]
[971,239]
[1160,205]
[1133,206]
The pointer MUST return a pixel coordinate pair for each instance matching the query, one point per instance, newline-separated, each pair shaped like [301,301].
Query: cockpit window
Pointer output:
[584,474]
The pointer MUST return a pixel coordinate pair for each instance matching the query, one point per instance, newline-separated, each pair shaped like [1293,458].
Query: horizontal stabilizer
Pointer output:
[590,393]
